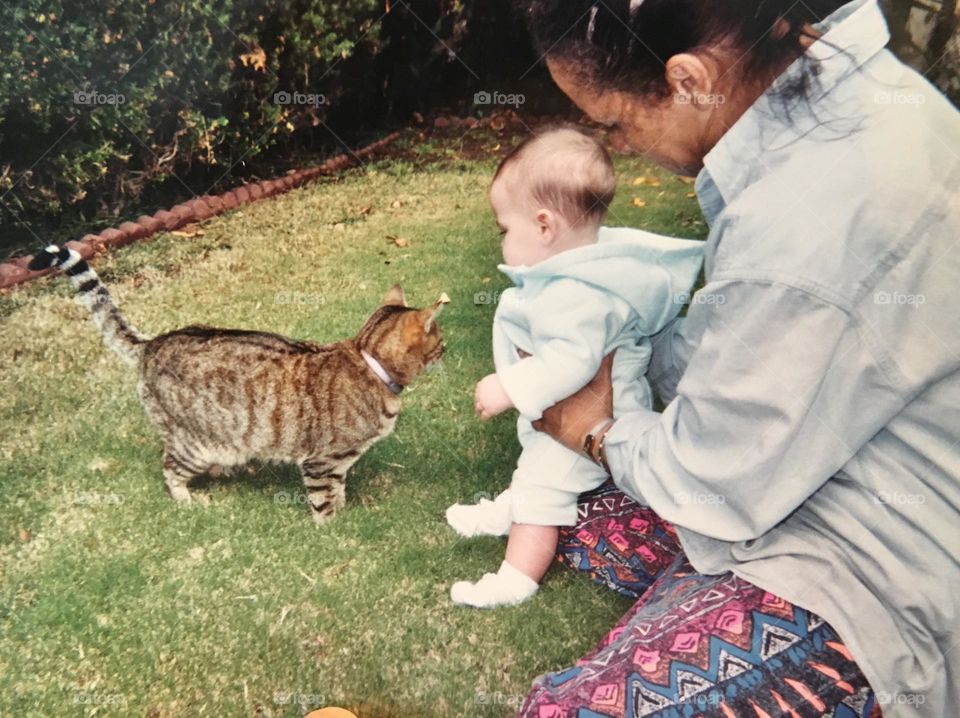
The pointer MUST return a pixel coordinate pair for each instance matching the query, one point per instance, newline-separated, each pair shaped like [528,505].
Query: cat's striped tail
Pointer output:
[118,335]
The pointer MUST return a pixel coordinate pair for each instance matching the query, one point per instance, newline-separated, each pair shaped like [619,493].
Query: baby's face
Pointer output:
[523,236]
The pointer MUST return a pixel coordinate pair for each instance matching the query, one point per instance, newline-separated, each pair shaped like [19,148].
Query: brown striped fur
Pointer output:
[223,397]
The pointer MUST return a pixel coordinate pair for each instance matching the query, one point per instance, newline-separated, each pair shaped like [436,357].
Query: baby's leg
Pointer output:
[530,551]
[544,494]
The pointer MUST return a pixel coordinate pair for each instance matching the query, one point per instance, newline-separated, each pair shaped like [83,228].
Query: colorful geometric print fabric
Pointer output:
[692,646]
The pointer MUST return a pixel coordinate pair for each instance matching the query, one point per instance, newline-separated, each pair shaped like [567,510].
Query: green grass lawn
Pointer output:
[115,601]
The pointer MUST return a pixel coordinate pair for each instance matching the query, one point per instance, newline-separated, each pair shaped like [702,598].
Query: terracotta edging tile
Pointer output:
[15,271]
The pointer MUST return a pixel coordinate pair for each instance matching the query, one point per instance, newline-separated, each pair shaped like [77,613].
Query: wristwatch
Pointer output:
[593,443]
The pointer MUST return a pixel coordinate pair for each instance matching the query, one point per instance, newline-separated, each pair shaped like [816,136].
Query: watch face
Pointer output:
[588,445]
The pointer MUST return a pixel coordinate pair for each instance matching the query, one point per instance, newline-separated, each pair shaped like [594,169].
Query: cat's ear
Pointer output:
[395,296]
[430,313]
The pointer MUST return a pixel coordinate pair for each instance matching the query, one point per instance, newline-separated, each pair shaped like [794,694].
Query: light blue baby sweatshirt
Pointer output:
[572,309]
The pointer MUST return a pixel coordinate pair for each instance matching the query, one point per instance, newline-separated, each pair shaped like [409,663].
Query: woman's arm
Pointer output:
[569,421]
[766,412]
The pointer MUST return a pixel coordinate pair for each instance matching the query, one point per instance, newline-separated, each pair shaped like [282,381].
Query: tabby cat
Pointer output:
[223,397]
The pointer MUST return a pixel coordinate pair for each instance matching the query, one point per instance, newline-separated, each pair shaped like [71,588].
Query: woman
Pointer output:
[790,520]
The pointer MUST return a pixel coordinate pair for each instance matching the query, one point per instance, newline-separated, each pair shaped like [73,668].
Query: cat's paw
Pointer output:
[179,493]
[321,518]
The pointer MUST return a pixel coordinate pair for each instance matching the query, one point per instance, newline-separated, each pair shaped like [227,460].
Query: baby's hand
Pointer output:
[490,399]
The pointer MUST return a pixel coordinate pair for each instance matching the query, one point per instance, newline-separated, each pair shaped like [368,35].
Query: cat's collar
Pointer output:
[377,368]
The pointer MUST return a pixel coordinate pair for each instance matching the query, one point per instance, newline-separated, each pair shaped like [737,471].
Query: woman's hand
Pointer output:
[490,398]
[568,421]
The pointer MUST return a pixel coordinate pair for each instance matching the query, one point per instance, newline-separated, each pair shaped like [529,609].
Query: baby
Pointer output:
[581,291]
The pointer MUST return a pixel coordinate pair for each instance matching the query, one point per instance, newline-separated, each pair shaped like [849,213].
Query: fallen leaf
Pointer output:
[257,59]
[495,148]
[191,230]
[398,241]
[337,568]
[637,202]
[691,195]
[365,210]
[396,203]
[25,535]
[687,180]
[639,181]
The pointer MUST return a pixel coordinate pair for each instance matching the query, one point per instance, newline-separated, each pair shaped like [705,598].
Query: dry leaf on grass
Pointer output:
[398,241]
[637,202]
[189,230]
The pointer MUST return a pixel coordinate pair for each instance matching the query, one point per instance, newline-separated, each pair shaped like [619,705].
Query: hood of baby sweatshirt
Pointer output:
[653,273]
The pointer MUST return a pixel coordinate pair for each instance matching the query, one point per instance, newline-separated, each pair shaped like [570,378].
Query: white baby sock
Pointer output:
[506,587]
[486,518]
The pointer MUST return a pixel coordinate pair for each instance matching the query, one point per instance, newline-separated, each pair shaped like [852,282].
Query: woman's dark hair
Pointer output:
[624,44]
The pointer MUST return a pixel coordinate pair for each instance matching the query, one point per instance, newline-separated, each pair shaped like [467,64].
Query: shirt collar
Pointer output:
[850,36]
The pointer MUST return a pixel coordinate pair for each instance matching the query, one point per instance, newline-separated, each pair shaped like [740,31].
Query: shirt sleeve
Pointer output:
[570,324]
[773,402]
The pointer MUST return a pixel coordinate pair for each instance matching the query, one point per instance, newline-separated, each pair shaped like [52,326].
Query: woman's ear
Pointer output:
[689,78]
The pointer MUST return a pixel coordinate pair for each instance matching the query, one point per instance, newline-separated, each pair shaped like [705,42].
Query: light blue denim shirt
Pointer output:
[811,437]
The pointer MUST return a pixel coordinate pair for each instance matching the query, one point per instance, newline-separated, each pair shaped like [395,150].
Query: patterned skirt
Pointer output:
[692,646]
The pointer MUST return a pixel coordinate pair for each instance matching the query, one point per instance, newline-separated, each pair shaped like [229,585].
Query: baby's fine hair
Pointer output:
[565,170]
